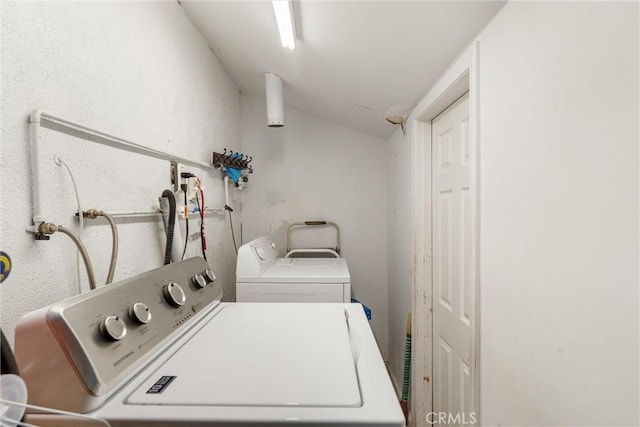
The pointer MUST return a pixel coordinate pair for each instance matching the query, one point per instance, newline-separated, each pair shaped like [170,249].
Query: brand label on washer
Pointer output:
[161,384]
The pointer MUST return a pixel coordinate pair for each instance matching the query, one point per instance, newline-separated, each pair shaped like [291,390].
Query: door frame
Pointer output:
[462,76]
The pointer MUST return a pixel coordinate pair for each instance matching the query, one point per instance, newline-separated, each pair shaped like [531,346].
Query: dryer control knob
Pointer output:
[113,328]
[210,275]
[174,295]
[199,281]
[261,254]
[140,313]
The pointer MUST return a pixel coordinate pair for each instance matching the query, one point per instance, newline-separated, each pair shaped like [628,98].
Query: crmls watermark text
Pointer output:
[460,418]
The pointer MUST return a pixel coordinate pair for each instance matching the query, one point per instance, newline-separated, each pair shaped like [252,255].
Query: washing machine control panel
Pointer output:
[117,327]
[255,256]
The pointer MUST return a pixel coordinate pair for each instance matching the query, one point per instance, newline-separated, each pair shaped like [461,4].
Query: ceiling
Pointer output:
[353,60]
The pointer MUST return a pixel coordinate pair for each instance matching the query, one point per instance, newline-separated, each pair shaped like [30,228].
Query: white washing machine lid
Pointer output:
[302,270]
[253,355]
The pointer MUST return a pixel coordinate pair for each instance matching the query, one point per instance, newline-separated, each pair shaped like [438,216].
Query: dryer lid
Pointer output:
[269,355]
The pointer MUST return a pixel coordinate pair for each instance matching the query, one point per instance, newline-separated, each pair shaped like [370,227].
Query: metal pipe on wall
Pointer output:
[40,118]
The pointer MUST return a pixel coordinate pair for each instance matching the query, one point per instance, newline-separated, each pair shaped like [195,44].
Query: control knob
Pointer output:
[113,328]
[210,275]
[140,313]
[261,253]
[199,281]
[174,294]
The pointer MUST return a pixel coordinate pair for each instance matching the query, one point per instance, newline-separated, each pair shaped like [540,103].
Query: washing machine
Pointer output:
[261,276]
[160,349]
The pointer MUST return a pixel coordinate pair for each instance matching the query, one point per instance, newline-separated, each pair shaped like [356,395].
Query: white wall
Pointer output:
[559,215]
[315,169]
[138,70]
[559,132]
[400,247]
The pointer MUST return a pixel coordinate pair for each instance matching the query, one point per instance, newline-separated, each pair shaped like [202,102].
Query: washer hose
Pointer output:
[114,246]
[94,213]
[49,228]
[171,223]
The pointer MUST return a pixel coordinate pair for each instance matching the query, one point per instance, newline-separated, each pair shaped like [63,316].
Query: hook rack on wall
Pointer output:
[232,159]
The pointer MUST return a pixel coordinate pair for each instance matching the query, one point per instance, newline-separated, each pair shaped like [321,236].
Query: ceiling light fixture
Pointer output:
[284,17]
[275,104]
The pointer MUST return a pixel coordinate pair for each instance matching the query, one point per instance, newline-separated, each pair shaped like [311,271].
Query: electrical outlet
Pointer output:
[191,194]
[176,170]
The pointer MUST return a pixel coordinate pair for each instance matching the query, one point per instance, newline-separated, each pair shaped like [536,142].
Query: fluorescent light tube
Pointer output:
[284,17]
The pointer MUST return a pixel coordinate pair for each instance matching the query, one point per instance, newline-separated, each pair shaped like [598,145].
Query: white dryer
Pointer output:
[263,277]
[160,349]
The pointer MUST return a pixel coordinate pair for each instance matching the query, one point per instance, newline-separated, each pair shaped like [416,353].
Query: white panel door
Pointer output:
[452,264]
